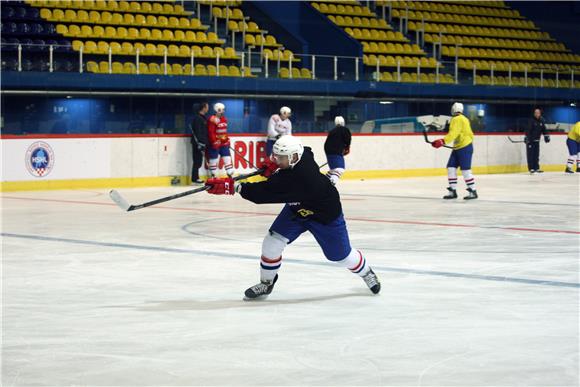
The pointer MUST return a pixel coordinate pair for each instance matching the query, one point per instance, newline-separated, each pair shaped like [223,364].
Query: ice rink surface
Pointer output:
[481,293]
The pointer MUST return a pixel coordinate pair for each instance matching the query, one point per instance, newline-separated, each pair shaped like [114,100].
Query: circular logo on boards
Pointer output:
[39,159]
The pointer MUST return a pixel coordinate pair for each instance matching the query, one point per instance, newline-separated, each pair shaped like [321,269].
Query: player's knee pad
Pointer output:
[452,172]
[273,245]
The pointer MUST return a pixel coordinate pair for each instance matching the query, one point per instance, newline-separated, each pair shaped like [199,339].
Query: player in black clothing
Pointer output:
[312,204]
[536,128]
[336,146]
[198,139]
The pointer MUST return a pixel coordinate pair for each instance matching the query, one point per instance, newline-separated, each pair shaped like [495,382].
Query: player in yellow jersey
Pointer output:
[461,135]
[573,143]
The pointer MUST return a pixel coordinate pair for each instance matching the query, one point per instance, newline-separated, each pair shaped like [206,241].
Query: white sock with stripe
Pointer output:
[356,263]
[228,165]
[452,177]
[570,162]
[469,179]
[335,174]
[213,167]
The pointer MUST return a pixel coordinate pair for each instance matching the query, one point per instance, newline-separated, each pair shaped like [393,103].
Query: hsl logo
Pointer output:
[39,159]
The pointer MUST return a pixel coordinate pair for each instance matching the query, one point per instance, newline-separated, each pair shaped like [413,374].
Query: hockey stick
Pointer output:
[518,141]
[431,142]
[243,158]
[125,206]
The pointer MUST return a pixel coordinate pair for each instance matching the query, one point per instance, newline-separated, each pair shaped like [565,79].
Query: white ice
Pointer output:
[474,293]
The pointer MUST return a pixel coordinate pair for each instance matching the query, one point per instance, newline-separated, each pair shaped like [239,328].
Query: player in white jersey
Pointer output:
[278,125]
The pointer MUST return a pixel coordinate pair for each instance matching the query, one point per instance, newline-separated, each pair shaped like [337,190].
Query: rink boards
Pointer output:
[59,162]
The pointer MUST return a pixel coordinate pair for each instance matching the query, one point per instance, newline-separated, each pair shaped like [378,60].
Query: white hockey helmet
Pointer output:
[457,107]
[288,146]
[285,110]
[339,121]
[219,108]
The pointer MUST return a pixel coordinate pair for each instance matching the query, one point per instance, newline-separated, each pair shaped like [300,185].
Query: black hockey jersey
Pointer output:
[337,141]
[309,193]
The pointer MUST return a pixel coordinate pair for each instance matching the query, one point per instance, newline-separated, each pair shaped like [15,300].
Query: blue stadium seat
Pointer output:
[20,13]
[23,28]
[8,12]
[36,29]
[32,13]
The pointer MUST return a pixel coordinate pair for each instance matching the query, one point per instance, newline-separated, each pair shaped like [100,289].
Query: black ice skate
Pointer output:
[569,170]
[472,194]
[578,169]
[260,290]
[452,194]
[372,281]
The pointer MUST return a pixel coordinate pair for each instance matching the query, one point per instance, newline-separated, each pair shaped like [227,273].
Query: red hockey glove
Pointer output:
[269,167]
[346,151]
[221,186]
[438,143]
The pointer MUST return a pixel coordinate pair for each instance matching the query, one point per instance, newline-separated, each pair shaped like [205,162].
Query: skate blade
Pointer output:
[259,298]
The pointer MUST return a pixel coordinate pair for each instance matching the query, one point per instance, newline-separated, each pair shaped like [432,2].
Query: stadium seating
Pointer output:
[382,46]
[485,35]
[122,28]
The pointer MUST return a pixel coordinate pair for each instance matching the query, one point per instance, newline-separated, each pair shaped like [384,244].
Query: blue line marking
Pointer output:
[255,258]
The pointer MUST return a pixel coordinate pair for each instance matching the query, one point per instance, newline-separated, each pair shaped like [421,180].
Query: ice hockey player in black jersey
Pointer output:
[336,146]
[312,204]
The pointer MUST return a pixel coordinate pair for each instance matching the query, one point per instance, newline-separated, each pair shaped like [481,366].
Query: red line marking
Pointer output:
[390,221]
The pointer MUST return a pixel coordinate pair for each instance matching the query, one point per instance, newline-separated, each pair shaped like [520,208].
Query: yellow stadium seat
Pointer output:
[134,6]
[212,37]
[128,19]
[218,51]
[168,8]
[200,70]
[173,50]
[74,30]
[143,68]
[184,50]
[104,67]
[176,69]
[207,52]
[305,73]
[157,8]
[154,68]
[211,70]
[146,7]
[284,73]
[110,32]
[223,71]
[117,68]
[117,18]
[46,13]
[162,21]
[230,53]
[70,16]
[98,32]
[106,17]
[121,33]
[150,49]
[196,24]
[77,45]
[156,34]
[58,15]
[197,51]
[217,12]
[179,36]
[92,67]
[168,35]
[151,21]
[140,20]
[127,48]
[234,71]
[250,40]
[296,73]
[62,29]
[200,37]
